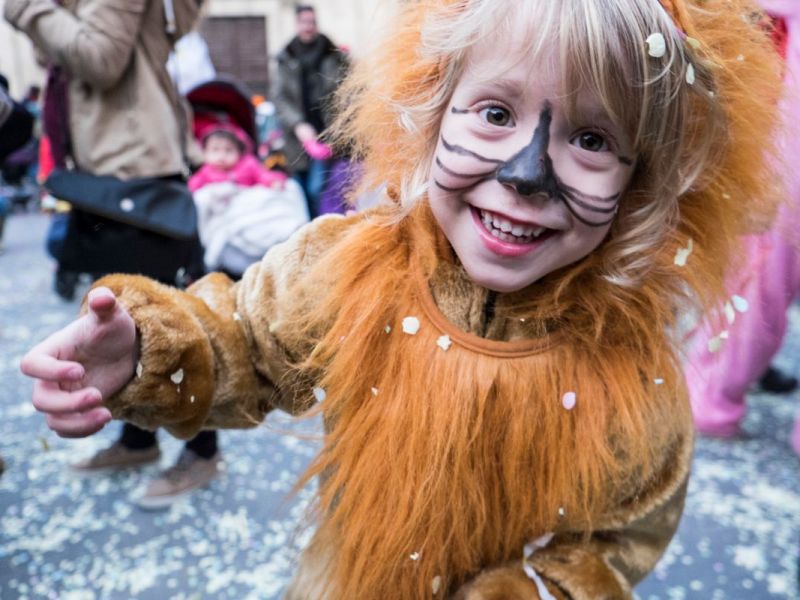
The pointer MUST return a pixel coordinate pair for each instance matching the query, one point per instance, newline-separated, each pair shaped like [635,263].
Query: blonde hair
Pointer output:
[393,103]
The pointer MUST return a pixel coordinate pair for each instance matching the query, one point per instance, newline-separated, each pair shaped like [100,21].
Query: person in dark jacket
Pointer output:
[310,68]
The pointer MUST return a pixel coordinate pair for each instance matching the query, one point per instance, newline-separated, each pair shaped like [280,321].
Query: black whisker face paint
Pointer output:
[466,188]
[576,192]
[575,214]
[462,175]
[531,173]
[464,152]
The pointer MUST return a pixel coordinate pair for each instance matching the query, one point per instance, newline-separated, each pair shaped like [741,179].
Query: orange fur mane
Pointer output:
[463,456]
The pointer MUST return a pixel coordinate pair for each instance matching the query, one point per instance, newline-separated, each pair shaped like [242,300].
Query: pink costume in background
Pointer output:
[719,381]
[246,173]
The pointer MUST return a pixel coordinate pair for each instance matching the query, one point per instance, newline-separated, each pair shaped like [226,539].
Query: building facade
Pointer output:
[243,36]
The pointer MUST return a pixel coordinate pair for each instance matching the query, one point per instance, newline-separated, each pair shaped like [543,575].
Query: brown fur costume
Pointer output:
[466,454]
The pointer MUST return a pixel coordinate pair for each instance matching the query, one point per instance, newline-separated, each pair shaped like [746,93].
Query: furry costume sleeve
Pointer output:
[214,356]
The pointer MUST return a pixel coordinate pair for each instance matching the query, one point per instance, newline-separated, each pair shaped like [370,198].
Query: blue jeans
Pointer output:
[313,182]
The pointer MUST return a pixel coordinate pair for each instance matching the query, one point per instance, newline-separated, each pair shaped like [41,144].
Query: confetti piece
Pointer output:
[569,400]
[444,342]
[693,43]
[683,254]
[561,512]
[139,370]
[237,316]
[730,313]
[714,345]
[414,556]
[724,335]
[387,329]
[726,196]
[656,45]
[740,58]
[690,74]
[320,394]
[374,391]
[658,381]
[191,400]
[411,325]
[177,377]
[740,304]
[436,584]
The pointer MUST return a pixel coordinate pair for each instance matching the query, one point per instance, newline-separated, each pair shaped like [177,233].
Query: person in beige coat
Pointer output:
[123,117]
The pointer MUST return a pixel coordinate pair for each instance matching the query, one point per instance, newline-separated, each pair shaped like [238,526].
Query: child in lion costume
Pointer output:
[493,350]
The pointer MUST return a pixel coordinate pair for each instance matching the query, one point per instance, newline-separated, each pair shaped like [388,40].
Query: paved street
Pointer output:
[71,538]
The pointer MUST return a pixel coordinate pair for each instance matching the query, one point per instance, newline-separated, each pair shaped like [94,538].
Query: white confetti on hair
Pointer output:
[414,556]
[691,77]
[444,342]
[177,377]
[740,304]
[730,313]
[656,45]
[411,325]
[683,254]
[320,394]
[436,584]
[569,400]
[139,369]
[374,391]
[715,344]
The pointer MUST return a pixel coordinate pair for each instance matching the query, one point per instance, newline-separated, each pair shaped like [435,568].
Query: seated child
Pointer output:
[494,350]
[243,209]
[228,157]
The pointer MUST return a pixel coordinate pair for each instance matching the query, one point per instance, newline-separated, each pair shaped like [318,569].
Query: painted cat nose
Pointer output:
[529,176]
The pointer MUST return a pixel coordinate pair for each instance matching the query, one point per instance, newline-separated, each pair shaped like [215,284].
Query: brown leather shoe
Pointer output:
[190,473]
[117,457]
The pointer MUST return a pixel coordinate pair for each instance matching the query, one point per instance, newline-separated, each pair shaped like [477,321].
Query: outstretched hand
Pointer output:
[80,365]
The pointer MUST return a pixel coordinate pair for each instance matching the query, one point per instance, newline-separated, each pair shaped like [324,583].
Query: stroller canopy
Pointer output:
[222,100]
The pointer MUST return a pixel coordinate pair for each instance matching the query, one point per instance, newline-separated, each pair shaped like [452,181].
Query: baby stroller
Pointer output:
[238,225]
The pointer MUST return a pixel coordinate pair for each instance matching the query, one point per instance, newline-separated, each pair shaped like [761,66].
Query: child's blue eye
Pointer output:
[590,141]
[497,116]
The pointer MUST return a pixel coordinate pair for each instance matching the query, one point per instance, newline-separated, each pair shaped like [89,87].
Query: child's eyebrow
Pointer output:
[511,88]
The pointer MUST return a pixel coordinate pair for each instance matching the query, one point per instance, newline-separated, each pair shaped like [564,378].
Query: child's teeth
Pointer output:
[506,231]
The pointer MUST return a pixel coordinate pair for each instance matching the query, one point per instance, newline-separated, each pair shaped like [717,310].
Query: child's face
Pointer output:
[221,152]
[517,189]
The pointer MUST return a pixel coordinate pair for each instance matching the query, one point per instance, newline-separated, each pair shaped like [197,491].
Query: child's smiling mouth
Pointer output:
[508,237]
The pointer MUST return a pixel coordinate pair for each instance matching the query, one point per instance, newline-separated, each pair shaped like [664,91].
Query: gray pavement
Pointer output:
[79,538]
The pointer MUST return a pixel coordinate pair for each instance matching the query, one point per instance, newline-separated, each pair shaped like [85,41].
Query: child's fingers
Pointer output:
[41,365]
[79,424]
[50,398]
[102,302]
